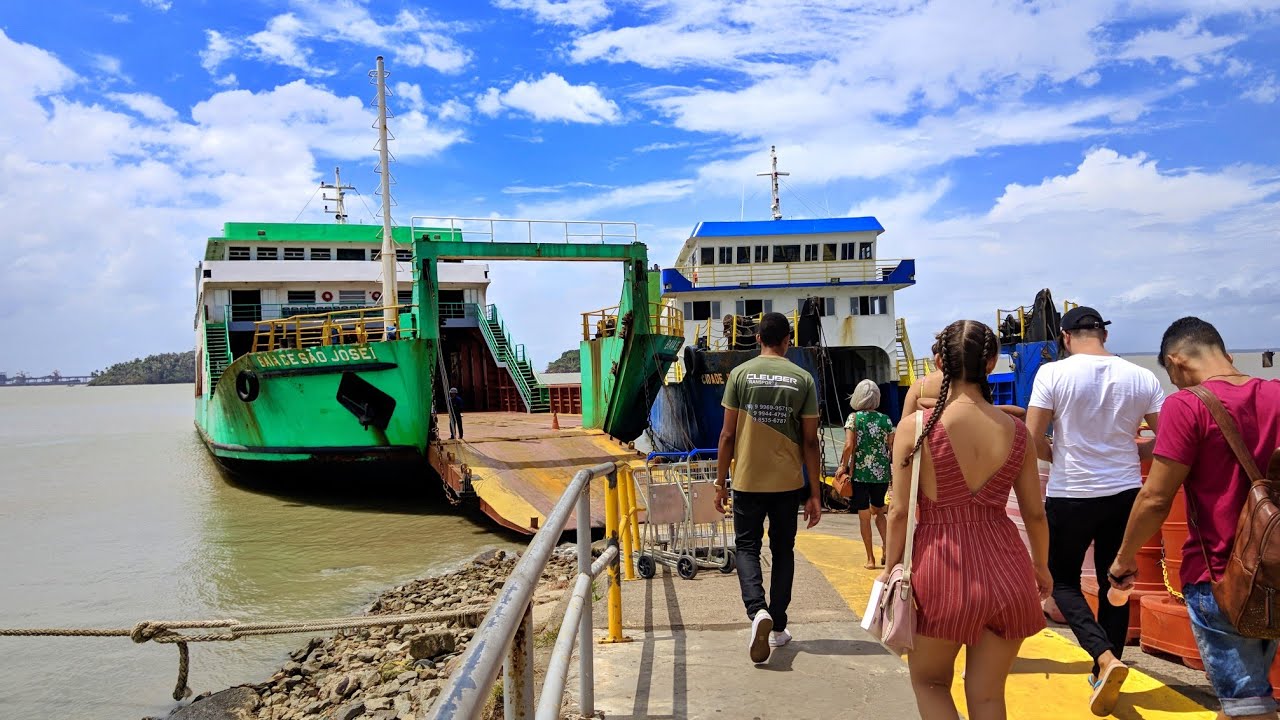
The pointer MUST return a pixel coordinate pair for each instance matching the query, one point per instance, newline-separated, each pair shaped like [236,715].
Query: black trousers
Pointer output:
[750,509]
[455,424]
[1073,524]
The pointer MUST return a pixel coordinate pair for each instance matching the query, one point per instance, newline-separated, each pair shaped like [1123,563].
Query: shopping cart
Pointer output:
[683,529]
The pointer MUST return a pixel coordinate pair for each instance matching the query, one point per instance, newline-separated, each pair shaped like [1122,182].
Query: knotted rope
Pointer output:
[166,631]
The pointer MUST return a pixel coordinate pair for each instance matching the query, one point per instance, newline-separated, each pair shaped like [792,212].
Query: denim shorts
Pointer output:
[1237,666]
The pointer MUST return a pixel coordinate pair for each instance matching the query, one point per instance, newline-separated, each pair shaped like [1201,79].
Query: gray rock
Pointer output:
[432,644]
[403,706]
[350,711]
[376,704]
[290,668]
[238,703]
[346,686]
[407,676]
[367,655]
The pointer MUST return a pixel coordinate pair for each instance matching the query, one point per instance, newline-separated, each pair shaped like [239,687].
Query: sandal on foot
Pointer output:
[1106,689]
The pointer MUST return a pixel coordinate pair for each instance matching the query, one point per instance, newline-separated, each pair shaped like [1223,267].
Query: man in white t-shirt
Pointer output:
[1096,403]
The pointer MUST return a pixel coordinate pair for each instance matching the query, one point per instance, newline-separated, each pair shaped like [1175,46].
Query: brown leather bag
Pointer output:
[842,483]
[1248,593]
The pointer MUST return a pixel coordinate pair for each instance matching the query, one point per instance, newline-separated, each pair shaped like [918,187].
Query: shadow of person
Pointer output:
[1047,666]
[1164,699]
[783,657]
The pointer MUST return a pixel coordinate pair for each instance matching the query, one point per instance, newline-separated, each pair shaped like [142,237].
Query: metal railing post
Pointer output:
[586,661]
[627,487]
[517,672]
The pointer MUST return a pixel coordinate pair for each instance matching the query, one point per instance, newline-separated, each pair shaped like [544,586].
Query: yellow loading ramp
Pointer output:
[519,466]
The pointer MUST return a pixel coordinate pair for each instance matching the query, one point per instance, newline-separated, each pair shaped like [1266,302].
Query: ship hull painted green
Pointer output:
[297,417]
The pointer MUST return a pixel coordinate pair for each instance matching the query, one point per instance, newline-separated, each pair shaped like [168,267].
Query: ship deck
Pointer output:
[520,466]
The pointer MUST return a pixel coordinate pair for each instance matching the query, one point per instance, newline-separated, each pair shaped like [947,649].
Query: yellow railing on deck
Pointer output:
[342,327]
[663,320]
[1023,311]
[733,331]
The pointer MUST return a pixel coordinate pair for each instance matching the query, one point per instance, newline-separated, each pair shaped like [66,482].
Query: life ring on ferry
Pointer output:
[326,296]
[247,386]
[376,296]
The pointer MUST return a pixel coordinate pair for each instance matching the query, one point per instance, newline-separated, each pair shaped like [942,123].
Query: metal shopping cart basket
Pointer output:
[682,528]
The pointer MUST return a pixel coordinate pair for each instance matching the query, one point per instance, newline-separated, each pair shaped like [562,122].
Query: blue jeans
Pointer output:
[1237,666]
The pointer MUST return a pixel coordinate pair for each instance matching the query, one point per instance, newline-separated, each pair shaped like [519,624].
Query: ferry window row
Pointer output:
[237,252]
[825,306]
[345,297]
[811,252]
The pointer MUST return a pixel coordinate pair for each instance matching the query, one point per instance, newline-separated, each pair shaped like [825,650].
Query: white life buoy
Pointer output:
[376,296]
[326,296]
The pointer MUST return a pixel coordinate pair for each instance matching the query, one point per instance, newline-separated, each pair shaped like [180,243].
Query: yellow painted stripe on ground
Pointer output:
[1049,679]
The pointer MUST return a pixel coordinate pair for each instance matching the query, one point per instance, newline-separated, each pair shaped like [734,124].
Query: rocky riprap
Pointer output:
[384,673]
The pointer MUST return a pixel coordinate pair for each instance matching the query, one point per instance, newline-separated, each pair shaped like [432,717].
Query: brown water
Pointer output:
[112,512]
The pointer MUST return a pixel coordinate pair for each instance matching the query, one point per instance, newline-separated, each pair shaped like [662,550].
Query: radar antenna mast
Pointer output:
[773,175]
[339,210]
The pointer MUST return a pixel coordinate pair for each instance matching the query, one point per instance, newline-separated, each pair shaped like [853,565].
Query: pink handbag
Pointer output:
[895,620]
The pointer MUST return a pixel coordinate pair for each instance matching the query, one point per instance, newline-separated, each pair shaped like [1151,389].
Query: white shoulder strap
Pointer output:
[911,503]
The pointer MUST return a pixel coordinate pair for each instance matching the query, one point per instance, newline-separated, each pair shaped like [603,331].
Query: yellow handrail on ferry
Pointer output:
[706,332]
[340,327]
[663,320]
[1022,311]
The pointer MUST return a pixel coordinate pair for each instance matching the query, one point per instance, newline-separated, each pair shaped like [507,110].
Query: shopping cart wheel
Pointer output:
[646,567]
[687,568]
[729,564]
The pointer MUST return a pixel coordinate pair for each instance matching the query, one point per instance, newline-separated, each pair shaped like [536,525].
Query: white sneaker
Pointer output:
[780,638]
[759,643]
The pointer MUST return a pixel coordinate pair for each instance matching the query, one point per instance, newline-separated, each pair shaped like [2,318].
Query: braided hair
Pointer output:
[963,349]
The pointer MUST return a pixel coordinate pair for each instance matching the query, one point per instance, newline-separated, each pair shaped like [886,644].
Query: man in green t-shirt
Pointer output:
[770,421]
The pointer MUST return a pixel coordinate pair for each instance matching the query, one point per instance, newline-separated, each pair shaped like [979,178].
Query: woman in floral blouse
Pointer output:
[868,439]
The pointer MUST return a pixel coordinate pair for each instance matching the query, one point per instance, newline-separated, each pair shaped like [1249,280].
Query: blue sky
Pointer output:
[1124,154]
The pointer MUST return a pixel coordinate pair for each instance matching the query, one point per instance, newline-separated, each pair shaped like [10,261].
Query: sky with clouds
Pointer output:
[1124,154]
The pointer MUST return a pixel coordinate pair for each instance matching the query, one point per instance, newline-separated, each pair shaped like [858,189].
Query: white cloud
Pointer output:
[1186,45]
[119,18]
[551,98]
[153,187]
[627,198]
[108,65]
[412,39]
[547,189]
[1265,91]
[161,5]
[148,106]
[452,110]
[410,95]
[218,49]
[579,13]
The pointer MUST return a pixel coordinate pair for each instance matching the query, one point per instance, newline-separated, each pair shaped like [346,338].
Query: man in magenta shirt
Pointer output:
[1191,452]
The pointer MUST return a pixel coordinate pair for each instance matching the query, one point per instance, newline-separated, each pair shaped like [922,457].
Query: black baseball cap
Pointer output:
[1083,318]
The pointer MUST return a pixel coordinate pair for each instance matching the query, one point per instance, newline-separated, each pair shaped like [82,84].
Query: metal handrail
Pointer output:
[1023,311]
[504,354]
[663,320]
[711,333]
[504,636]
[570,230]
[327,328]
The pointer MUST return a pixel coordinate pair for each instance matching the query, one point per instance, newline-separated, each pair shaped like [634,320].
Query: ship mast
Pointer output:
[340,208]
[389,295]
[773,175]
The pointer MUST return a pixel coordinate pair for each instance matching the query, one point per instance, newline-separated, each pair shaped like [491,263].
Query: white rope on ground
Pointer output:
[165,631]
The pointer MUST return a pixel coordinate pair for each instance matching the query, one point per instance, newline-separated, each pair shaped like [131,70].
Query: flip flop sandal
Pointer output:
[1106,689]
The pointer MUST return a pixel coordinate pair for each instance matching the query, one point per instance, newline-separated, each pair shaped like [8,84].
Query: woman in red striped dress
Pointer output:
[974,584]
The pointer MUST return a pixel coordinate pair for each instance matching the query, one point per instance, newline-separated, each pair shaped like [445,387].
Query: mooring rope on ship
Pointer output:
[165,631]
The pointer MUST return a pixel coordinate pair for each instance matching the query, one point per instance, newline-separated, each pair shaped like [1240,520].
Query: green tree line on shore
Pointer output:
[569,362]
[150,370]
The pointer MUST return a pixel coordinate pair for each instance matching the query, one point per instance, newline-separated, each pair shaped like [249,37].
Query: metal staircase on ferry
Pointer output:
[217,351]
[508,355]
[909,367]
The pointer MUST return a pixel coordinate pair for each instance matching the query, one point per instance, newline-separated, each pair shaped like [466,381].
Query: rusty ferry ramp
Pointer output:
[515,466]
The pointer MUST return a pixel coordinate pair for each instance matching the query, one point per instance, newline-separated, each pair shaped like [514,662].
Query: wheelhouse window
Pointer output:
[321,254]
[826,307]
[708,256]
[786,253]
[865,251]
[295,254]
[829,252]
[762,253]
[302,297]
[404,255]
[726,256]
[869,305]
[744,254]
[404,297]
[268,253]
[237,253]
[846,251]
[351,297]
[351,254]
[752,308]
[702,310]
[811,253]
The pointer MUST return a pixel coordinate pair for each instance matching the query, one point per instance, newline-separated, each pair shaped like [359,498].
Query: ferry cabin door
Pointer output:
[246,305]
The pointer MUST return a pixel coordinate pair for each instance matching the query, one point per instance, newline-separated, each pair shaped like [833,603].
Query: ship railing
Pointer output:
[343,327]
[1022,312]
[504,640]
[244,312]
[473,229]
[734,332]
[663,320]
[790,273]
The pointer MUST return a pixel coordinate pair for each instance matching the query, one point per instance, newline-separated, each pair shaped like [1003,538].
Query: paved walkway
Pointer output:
[688,657]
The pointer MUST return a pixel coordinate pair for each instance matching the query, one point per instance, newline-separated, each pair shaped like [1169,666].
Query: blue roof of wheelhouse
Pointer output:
[787,227]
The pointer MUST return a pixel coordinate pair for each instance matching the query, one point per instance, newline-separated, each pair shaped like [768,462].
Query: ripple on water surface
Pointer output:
[112,512]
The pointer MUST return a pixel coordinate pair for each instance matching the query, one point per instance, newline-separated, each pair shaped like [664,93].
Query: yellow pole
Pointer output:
[611,537]
[628,516]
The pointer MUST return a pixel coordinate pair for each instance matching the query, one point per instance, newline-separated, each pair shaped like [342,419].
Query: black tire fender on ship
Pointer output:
[247,386]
